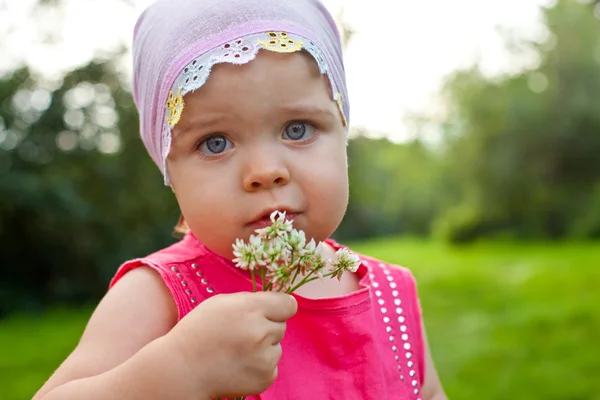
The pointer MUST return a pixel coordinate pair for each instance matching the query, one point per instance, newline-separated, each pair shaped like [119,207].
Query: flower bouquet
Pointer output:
[279,256]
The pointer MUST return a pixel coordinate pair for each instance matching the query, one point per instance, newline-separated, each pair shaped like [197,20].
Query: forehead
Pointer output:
[270,79]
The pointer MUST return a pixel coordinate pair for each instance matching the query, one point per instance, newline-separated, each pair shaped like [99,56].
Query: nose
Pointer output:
[265,171]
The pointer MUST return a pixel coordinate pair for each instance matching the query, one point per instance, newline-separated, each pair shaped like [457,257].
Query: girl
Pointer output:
[243,107]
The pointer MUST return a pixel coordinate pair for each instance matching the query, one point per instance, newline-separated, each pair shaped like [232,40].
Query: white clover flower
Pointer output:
[312,248]
[274,249]
[278,259]
[279,217]
[284,256]
[280,226]
[346,261]
[297,239]
[256,243]
[320,273]
[240,252]
[249,256]
[309,250]
[279,276]
[319,265]
[239,243]
[245,258]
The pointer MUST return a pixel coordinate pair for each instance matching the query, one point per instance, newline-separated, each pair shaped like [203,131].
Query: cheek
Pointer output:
[327,184]
[337,186]
[203,199]
[200,190]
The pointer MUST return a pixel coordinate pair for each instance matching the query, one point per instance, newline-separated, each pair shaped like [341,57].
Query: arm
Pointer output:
[124,352]
[432,387]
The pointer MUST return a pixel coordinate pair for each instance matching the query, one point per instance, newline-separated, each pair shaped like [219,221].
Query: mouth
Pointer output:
[263,219]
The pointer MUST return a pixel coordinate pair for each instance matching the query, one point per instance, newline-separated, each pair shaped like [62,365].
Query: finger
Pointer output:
[276,307]
[274,356]
[277,332]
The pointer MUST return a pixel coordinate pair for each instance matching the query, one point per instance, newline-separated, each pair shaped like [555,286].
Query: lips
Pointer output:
[264,218]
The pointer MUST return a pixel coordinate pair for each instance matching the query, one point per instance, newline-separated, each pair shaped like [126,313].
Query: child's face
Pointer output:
[256,137]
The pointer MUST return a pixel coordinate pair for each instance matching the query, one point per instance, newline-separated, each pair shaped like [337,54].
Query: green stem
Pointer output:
[262,276]
[297,269]
[302,282]
[306,280]
[253,281]
[295,276]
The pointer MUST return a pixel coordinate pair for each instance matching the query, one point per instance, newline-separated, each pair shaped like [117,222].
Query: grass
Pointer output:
[504,321]
[31,348]
[507,321]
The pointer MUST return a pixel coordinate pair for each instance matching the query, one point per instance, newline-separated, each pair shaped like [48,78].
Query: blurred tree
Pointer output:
[393,188]
[78,193]
[526,146]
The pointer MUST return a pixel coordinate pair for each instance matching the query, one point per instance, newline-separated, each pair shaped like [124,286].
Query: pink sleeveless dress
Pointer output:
[364,345]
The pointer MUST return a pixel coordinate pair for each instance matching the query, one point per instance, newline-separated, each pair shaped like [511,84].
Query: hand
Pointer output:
[230,344]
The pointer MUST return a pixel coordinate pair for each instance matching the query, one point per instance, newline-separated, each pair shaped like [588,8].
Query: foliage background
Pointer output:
[498,218]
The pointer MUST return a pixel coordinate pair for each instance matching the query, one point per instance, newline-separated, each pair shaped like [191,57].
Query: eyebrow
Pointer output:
[305,109]
[204,123]
[301,109]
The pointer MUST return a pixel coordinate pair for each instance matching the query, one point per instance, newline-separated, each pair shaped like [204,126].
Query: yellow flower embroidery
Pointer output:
[341,108]
[175,107]
[281,43]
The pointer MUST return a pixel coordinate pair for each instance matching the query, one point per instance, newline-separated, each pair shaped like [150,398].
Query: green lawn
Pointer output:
[504,321]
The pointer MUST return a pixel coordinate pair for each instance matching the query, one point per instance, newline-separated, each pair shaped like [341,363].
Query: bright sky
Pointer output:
[395,62]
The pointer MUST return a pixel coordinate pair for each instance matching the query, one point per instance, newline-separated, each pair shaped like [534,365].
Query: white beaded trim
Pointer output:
[404,337]
[184,283]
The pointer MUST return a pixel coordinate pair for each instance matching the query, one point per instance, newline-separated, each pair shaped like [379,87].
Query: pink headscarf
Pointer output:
[171,33]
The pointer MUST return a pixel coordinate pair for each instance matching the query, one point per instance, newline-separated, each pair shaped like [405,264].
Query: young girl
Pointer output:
[243,107]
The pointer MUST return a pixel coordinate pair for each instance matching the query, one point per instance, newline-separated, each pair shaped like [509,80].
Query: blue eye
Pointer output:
[215,144]
[298,131]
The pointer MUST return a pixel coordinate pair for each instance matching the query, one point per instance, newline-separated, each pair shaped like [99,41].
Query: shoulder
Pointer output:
[394,276]
[181,267]
[140,302]
[181,251]
[146,298]
[395,270]
[135,312]
[399,280]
